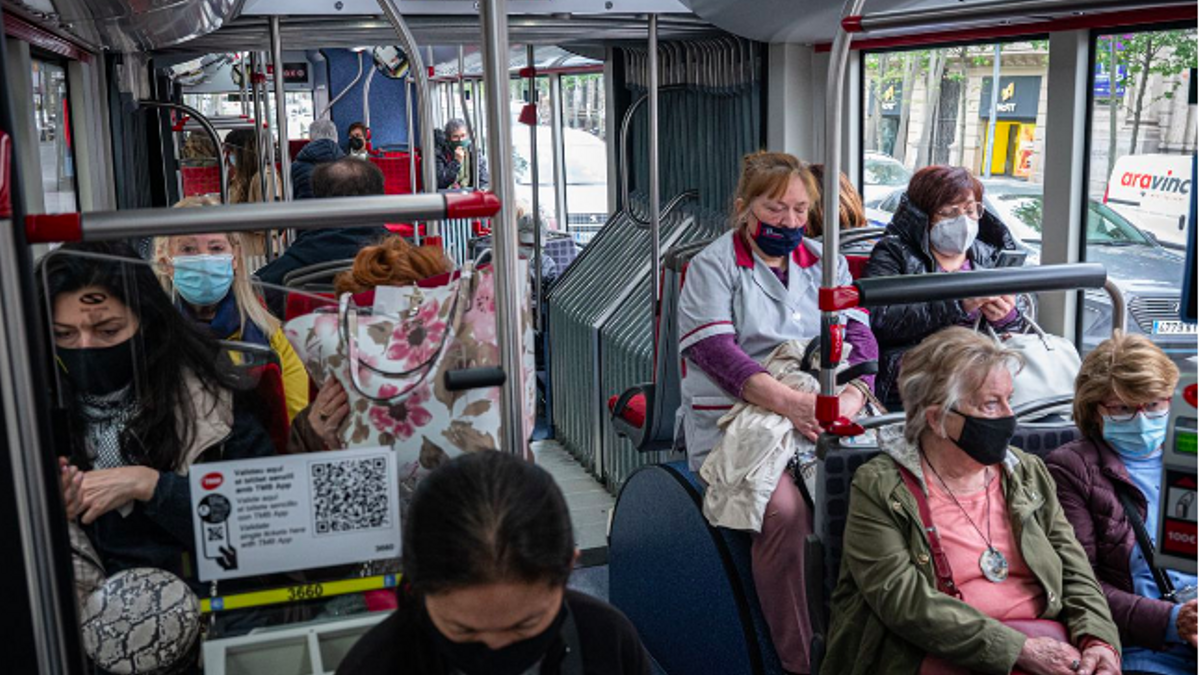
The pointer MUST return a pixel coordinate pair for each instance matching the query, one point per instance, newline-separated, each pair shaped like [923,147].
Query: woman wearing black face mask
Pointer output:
[487,551]
[143,400]
[957,556]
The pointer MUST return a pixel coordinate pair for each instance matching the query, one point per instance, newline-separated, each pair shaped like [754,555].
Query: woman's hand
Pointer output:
[328,412]
[1186,623]
[71,483]
[1047,656]
[1099,660]
[969,305]
[802,411]
[106,490]
[851,402]
[998,308]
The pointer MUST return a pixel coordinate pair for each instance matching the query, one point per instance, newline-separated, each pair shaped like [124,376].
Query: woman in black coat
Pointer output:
[488,548]
[941,226]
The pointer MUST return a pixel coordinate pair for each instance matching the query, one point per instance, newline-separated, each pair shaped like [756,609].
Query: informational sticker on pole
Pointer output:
[293,512]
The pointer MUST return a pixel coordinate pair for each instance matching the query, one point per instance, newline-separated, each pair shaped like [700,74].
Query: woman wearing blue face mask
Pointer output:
[747,293]
[207,276]
[940,226]
[1109,483]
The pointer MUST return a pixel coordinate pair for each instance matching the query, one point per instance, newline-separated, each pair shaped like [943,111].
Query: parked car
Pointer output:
[881,175]
[1148,274]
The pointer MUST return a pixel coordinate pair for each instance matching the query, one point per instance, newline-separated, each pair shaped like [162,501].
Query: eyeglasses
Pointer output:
[1125,413]
[974,211]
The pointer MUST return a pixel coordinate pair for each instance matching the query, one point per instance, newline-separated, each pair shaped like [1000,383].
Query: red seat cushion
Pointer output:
[299,304]
[857,264]
[634,412]
[275,413]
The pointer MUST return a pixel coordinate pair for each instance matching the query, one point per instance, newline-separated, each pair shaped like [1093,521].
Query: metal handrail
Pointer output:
[281,116]
[416,65]
[301,215]
[623,169]
[208,128]
[861,234]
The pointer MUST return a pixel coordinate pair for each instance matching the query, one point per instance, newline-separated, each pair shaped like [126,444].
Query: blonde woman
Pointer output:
[207,276]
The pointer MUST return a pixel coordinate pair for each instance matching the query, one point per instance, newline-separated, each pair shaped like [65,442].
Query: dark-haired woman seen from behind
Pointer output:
[488,548]
[143,399]
[940,226]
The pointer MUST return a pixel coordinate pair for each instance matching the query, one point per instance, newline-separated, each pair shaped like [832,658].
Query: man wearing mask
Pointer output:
[454,158]
[357,141]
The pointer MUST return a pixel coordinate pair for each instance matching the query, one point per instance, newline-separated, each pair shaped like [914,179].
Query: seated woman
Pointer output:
[488,548]
[1123,397]
[850,204]
[748,292]
[208,276]
[392,262]
[999,553]
[941,226]
[144,400]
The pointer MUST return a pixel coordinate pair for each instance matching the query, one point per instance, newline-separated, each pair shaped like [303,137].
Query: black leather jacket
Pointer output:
[904,249]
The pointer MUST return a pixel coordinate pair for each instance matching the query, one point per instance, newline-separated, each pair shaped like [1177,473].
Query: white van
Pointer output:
[1154,192]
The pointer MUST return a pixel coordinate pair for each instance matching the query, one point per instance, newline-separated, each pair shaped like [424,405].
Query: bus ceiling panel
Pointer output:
[127,26]
[411,8]
[814,21]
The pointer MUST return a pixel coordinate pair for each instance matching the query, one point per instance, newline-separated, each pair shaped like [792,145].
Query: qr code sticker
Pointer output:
[350,495]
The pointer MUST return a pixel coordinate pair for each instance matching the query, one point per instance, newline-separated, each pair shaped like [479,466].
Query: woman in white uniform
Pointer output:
[745,294]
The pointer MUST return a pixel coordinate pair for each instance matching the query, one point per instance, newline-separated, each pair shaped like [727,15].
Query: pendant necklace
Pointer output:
[992,562]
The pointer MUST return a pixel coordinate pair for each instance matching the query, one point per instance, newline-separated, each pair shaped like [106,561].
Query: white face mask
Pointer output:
[954,237]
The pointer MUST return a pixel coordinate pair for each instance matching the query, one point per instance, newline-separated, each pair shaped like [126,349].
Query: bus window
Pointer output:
[53,122]
[1139,182]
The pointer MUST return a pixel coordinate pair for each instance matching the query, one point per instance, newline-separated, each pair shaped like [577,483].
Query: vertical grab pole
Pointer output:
[462,100]
[245,83]
[556,146]
[410,93]
[424,104]
[281,110]
[991,132]
[537,185]
[504,230]
[827,402]
[258,135]
[655,215]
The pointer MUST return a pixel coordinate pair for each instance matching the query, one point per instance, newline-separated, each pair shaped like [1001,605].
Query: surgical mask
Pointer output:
[985,439]
[955,236]
[778,241]
[464,144]
[98,370]
[476,658]
[1138,438]
[203,280]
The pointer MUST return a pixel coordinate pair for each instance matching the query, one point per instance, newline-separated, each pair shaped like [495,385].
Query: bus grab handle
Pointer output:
[913,288]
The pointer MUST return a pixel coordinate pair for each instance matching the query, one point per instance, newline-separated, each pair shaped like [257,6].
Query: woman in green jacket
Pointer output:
[1009,557]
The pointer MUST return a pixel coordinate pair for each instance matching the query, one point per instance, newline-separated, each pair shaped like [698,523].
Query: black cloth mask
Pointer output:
[476,658]
[357,143]
[98,370]
[985,439]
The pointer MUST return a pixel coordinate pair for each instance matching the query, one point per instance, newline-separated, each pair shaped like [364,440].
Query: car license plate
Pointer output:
[1174,328]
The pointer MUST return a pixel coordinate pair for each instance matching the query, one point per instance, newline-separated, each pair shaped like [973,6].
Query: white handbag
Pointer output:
[1051,363]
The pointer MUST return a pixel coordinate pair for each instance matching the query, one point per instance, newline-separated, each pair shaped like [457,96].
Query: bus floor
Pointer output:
[590,504]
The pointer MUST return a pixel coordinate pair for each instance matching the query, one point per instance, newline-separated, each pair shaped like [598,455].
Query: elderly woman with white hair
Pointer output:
[323,147]
[957,556]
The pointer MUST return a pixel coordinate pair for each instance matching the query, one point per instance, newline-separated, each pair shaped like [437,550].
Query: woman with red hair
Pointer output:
[941,226]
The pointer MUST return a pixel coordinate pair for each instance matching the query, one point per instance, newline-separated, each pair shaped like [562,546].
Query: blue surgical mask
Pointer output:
[203,280]
[954,236]
[1138,438]
[778,241]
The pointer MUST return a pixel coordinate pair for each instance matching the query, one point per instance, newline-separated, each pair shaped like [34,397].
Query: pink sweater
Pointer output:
[1018,597]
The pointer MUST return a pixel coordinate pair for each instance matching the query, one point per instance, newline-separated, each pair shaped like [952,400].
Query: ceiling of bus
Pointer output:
[250,33]
[127,26]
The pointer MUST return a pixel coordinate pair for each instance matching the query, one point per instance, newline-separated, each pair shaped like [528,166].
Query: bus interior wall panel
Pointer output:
[389,100]
[131,150]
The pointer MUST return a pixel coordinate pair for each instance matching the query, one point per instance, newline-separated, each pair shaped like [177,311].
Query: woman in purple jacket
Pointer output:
[1122,400]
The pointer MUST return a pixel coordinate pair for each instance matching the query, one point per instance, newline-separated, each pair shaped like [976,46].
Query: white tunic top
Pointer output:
[728,290]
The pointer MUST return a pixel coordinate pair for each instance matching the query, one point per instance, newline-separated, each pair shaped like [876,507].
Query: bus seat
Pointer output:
[668,568]
[275,411]
[1043,438]
[201,180]
[395,168]
[645,413]
[318,273]
[299,305]
[857,264]
[295,145]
